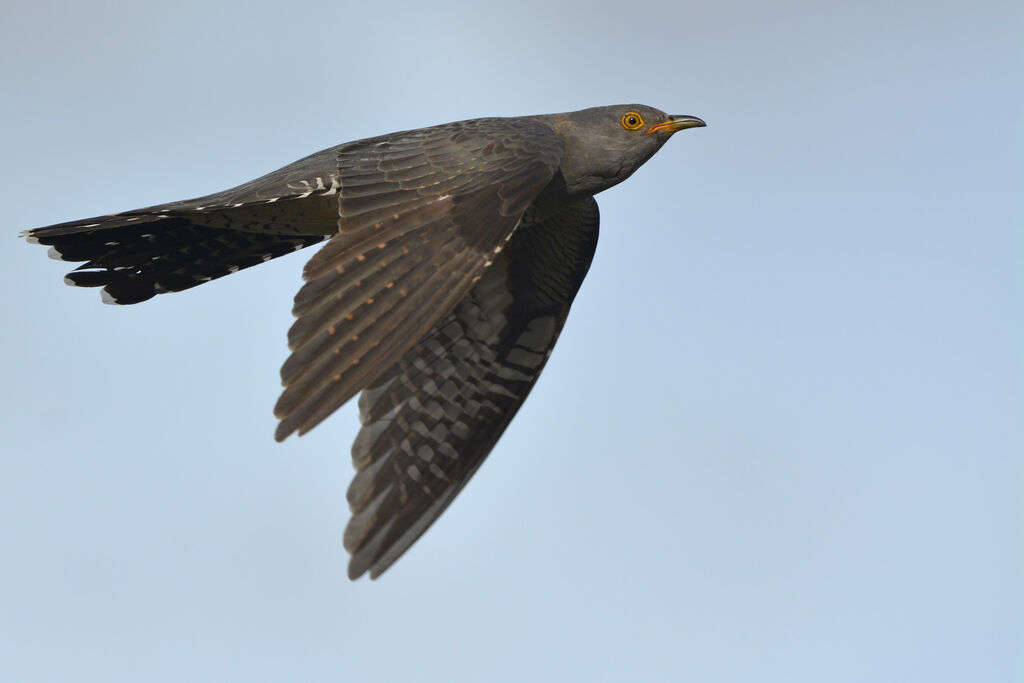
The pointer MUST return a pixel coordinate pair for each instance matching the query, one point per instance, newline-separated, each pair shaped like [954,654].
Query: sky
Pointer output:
[780,439]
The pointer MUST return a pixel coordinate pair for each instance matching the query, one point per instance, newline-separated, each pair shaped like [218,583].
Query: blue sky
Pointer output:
[780,439]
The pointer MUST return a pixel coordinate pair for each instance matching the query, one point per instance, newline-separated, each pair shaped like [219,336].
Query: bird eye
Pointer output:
[632,121]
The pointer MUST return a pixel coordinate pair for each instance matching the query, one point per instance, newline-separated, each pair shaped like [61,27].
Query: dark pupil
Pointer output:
[632,120]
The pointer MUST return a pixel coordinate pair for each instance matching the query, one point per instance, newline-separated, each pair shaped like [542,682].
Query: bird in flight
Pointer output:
[453,255]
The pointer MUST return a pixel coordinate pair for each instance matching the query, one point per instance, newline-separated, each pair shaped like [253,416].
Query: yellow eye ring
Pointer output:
[632,121]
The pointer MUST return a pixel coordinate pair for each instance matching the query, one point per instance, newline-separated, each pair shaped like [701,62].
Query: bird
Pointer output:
[453,254]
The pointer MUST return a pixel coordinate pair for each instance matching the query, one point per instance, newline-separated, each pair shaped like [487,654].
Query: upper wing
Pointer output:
[430,420]
[421,215]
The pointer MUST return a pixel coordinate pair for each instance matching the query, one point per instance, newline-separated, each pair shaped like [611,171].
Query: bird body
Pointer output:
[454,253]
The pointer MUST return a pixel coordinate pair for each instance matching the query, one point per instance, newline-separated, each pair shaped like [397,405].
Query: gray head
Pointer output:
[604,145]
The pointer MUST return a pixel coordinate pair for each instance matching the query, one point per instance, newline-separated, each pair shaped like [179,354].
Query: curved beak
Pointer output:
[675,123]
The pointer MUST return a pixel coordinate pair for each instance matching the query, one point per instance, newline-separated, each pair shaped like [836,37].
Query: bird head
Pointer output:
[605,145]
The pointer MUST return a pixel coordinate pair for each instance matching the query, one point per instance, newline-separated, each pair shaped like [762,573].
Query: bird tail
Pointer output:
[136,255]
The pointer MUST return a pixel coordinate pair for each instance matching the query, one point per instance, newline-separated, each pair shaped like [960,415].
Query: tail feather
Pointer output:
[135,256]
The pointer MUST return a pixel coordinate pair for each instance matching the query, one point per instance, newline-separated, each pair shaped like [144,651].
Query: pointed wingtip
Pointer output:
[283,431]
[359,566]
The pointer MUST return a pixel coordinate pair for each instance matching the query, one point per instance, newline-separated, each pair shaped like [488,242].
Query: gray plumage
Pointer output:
[453,255]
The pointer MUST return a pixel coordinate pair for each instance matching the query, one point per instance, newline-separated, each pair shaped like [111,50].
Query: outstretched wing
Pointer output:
[430,420]
[421,216]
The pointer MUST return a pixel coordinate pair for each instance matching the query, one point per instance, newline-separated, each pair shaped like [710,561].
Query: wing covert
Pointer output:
[421,216]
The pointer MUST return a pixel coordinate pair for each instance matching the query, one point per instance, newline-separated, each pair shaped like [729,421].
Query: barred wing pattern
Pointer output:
[422,215]
[429,421]
[453,255]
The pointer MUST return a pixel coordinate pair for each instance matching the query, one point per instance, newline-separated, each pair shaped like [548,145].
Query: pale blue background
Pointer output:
[781,438]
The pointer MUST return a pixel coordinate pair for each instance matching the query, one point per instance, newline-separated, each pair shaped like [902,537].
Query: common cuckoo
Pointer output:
[453,254]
